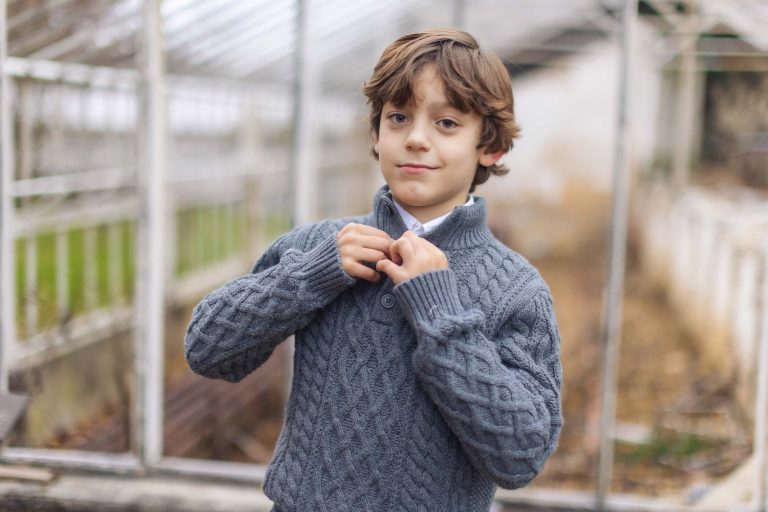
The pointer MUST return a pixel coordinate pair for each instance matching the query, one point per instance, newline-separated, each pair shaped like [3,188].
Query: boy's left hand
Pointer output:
[411,255]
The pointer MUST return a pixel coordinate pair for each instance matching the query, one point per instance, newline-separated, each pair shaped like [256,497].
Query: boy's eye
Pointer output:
[397,118]
[447,123]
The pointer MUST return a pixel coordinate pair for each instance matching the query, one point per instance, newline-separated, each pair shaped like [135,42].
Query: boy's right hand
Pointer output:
[360,243]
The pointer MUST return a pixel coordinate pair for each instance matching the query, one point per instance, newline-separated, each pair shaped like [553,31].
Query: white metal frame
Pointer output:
[613,301]
[146,453]
[150,256]
[760,486]
[7,263]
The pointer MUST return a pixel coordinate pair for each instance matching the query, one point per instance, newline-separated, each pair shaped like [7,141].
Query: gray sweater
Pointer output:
[419,397]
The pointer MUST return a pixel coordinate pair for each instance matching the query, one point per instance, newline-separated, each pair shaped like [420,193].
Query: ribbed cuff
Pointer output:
[429,295]
[322,268]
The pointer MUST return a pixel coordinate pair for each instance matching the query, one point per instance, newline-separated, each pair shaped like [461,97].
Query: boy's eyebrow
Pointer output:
[435,105]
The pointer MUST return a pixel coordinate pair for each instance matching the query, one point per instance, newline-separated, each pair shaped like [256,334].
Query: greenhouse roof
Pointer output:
[254,40]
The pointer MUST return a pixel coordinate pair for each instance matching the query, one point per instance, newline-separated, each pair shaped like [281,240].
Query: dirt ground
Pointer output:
[676,422]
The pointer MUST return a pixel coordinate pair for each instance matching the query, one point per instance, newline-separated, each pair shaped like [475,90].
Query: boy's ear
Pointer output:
[488,159]
[375,141]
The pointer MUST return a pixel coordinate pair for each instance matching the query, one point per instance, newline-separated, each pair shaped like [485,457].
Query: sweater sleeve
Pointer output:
[235,328]
[501,396]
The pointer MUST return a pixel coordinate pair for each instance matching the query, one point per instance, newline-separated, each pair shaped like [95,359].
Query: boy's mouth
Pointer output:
[414,168]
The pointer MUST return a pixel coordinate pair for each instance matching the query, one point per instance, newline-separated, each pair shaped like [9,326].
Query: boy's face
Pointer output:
[428,149]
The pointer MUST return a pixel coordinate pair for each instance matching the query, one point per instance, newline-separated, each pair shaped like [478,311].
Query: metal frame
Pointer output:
[7,253]
[150,256]
[613,301]
[305,164]
[146,453]
[686,98]
[760,486]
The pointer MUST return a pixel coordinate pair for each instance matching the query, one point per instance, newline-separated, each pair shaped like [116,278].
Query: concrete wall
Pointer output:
[568,114]
[711,251]
[69,392]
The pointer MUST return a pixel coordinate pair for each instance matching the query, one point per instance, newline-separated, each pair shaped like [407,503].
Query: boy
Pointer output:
[427,365]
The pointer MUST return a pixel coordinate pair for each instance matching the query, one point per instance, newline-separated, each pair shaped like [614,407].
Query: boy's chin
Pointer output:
[411,199]
[411,194]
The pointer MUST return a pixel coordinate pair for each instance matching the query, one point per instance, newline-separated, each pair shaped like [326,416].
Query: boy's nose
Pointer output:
[417,139]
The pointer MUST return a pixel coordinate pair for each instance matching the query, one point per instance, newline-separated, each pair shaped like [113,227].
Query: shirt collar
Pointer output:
[413,224]
[464,227]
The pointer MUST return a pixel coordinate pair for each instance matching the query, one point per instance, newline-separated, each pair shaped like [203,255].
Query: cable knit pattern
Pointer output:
[417,397]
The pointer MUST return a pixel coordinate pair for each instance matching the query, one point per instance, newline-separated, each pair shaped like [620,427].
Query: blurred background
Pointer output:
[152,150]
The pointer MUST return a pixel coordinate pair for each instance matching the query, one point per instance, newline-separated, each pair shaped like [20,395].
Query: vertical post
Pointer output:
[23,149]
[171,237]
[32,317]
[229,233]
[611,328]
[760,491]
[214,240]
[200,235]
[62,274]
[686,105]
[305,163]
[170,230]
[90,260]
[7,263]
[115,264]
[151,243]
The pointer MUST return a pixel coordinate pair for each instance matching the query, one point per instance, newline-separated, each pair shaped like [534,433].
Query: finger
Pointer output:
[365,254]
[375,242]
[352,238]
[363,272]
[394,253]
[395,272]
[406,248]
[365,229]
[417,242]
[372,231]
[420,242]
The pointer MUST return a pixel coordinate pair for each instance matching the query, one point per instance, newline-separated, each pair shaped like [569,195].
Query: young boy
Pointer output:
[427,366]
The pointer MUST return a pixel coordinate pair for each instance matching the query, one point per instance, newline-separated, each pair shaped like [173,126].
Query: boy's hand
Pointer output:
[411,255]
[360,243]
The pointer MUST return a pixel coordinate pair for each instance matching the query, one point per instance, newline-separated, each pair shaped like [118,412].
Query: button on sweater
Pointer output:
[422,396]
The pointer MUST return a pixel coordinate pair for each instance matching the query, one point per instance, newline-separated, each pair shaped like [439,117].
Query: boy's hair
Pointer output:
[474,80]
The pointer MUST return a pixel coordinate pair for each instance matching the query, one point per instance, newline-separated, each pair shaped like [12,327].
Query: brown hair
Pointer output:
[474,80]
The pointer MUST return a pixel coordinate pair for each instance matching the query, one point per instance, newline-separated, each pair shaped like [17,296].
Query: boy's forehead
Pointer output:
[427,88]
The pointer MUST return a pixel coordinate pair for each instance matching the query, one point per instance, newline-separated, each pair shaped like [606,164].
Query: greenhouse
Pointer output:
[152,150]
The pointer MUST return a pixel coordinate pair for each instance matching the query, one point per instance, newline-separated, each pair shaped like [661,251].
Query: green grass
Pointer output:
[76,271]
[202,236]
[197,228]
[666,445]
[46,287]
[276,225]
[21,277]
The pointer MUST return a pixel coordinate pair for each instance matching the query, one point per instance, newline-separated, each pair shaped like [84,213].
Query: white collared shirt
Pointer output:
[413,224]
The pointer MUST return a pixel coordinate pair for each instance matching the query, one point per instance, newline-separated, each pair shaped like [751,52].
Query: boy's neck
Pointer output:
[425,214]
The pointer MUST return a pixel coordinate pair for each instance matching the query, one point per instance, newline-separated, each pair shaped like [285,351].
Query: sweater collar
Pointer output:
[465,226]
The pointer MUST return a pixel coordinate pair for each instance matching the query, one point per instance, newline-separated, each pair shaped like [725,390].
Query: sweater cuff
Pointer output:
[322,268]
[429,295]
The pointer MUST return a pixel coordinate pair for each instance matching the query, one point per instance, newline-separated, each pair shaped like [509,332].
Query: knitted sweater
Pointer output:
[417,397]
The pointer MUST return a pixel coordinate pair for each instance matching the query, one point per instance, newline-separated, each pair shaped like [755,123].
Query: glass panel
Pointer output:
[229,173]
[75,211]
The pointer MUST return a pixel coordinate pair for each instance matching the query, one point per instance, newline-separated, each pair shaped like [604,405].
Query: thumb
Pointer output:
[394,252]
[394,271]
